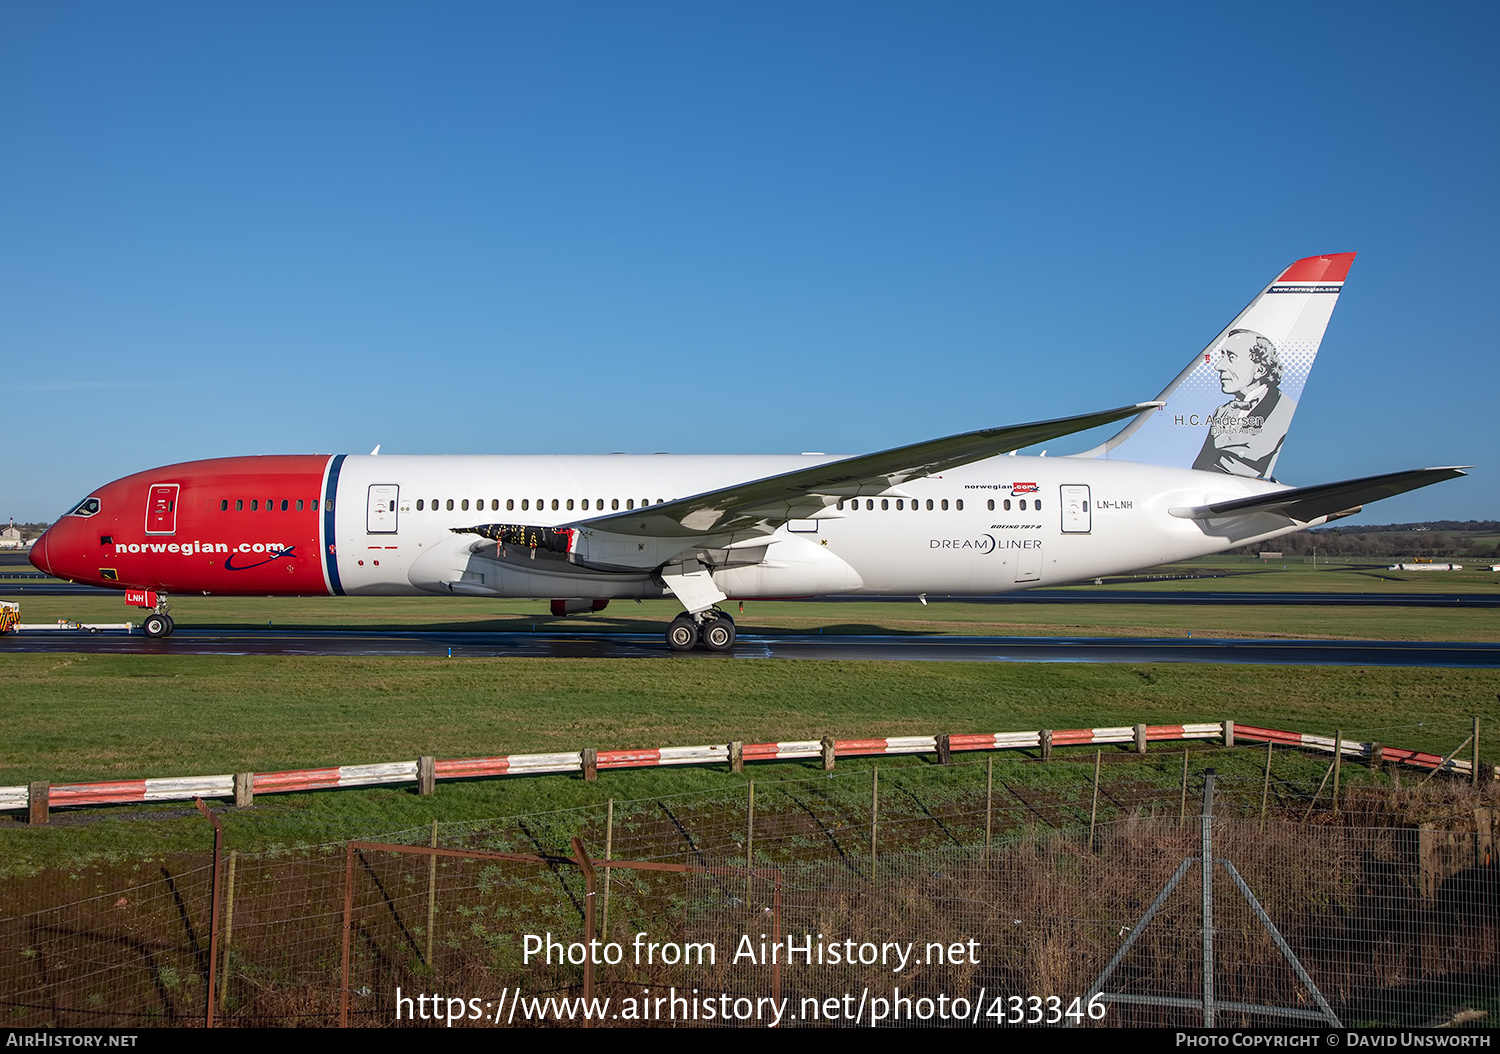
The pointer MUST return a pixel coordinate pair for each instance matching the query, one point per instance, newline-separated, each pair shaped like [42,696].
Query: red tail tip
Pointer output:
[1331,268]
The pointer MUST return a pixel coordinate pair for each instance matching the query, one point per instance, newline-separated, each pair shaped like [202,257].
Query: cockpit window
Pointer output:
[86,507]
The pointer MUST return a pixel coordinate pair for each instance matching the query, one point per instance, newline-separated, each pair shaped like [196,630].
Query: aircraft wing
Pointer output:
[1305,504]
[765,504]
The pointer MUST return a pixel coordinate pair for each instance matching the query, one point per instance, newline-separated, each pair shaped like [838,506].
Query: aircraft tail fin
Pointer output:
[1229,410]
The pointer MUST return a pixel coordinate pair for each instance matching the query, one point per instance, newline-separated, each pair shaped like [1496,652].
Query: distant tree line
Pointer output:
[1440,538]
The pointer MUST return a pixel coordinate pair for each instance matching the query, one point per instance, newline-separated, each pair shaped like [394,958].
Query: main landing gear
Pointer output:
[712,629]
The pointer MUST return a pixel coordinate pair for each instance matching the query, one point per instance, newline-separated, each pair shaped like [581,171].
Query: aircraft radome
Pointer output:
[1192,473]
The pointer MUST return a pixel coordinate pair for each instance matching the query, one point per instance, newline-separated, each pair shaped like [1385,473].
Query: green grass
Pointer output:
[80,717]
[77,717]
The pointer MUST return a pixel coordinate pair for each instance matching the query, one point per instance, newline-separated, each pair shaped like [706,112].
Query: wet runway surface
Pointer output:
[460,644]
[13,588]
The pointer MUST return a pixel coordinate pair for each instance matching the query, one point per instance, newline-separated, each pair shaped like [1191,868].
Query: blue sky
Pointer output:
[768,227]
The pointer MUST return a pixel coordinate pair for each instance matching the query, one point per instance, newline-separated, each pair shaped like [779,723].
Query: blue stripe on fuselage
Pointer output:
[330,547]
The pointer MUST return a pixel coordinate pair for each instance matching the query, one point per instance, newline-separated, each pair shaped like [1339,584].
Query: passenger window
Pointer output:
[239,504]
[464,505]
[1007,504]
[419,504]
[284,505]
[959,505]
[299,504]
[315,505]
[869,504]
[510,504]
[450,504]
[570,504]
[945,504]
[254,504]
[992,505]
[525,504]
[224,505]
[614,503]
[899,505]
[929,504]
[885,504]
[1037,505]
[1023,504]
[630,503]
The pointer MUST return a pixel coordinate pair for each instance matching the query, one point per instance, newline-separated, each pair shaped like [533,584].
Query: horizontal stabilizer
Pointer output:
[763,505]
[1305,504]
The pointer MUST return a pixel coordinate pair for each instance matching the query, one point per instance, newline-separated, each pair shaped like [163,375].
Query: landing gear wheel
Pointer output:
[171,625]
[682,634]
[156,626]
[718,634]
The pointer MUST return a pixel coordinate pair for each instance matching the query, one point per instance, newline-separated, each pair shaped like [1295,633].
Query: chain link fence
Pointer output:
[984,894]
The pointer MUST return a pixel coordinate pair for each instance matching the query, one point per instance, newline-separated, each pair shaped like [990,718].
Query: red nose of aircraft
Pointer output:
[46,550]
[38,554]
[61,550]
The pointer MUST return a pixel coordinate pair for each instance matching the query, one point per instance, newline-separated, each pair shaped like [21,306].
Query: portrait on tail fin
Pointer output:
[1246,433]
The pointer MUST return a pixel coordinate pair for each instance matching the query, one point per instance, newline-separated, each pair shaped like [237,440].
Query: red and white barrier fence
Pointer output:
[183,788]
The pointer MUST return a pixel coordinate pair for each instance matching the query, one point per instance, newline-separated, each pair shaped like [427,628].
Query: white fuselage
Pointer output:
[997,525]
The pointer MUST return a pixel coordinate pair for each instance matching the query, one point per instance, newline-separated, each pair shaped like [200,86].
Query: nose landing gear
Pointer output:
[712,630]
[157,625]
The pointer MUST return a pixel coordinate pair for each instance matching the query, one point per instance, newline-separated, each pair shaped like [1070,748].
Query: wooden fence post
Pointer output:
[228,932]
[1182,806]
[1338,758]
[1094,809]
[989,804]
[36,802]
[609,848]
[1265,789]
[431,892]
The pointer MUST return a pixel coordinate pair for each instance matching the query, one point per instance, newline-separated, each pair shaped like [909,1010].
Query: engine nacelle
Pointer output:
[562,608]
